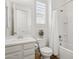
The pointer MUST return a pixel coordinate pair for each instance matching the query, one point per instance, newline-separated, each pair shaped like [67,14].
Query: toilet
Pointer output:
[46,52]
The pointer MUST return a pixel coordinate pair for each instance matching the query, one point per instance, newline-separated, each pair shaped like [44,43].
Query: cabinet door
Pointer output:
[30,57]
[16,55]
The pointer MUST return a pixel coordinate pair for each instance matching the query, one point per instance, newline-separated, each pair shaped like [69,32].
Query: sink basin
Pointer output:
[20,37]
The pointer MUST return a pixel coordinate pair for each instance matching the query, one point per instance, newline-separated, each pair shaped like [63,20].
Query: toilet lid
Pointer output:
[46,50]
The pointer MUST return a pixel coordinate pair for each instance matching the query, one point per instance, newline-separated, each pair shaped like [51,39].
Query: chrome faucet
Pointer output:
[60,39]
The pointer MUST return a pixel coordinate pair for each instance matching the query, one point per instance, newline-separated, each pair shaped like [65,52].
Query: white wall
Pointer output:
[37,27]
[70,24]
[58,3]
[9,18]
[65,19]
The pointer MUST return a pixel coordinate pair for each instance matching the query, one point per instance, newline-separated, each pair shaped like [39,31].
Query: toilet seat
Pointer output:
[46,51]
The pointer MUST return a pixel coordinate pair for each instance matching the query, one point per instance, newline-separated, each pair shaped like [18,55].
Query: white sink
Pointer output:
[18,40]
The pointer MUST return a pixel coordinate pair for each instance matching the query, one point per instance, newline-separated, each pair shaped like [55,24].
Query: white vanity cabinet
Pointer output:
[20,51]
[13,52]
[29,51]
[16,55]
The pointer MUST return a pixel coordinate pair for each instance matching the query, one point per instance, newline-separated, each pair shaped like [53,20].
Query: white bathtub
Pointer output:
[65,53]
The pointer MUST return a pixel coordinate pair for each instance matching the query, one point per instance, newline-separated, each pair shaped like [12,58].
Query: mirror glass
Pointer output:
[19,16]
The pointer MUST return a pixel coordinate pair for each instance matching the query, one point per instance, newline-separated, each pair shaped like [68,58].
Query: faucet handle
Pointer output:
[60,38]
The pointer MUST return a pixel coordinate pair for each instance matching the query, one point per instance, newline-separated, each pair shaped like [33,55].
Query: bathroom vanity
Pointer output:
[20,48]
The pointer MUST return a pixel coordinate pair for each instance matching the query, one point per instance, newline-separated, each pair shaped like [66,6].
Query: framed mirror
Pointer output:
[19,15]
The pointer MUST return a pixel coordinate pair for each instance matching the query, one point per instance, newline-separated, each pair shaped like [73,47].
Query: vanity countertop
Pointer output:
[15,41]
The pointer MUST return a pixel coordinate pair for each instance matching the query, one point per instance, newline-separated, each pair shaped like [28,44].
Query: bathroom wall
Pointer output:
[34,27]
[37,27]
[69,14]
[8,7]
[65,19]
[58,3]
[68,26]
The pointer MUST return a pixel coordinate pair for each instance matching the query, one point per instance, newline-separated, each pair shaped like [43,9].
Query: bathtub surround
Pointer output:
[63,17]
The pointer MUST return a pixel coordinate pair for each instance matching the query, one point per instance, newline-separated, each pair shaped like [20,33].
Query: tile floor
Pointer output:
[54,57]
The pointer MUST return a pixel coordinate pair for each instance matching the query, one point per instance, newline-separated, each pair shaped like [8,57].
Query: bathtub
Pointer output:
[65,53]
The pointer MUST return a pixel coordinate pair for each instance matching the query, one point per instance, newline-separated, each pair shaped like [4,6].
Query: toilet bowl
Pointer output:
[46,52]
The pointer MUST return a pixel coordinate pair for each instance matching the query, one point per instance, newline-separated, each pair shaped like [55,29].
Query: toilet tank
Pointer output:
[42,42]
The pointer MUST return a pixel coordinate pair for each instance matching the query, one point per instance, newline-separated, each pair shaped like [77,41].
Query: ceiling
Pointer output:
[27,3]
[58,3]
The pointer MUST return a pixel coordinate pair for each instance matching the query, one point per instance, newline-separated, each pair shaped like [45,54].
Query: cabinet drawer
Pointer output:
[30,57]
[16,55]
[28,46]
[29,52]
[13,49]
